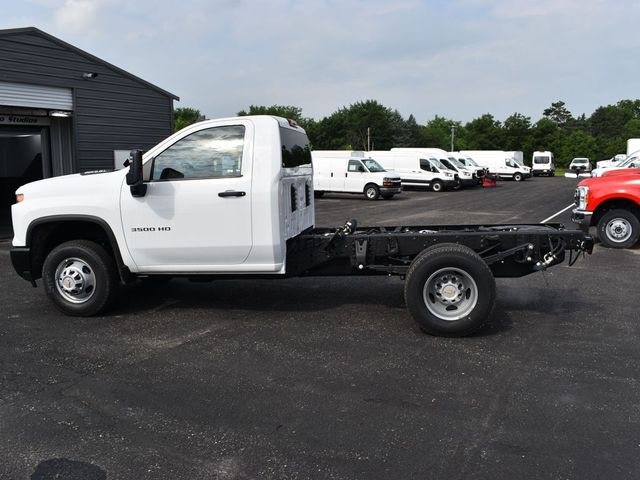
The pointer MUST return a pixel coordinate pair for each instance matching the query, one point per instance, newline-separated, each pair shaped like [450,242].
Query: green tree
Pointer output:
[185,116]
[284,111]
[558,113]
[485,133]
[437,133]
[516,131]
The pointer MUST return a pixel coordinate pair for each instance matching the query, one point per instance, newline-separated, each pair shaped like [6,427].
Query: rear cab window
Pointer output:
[295,148]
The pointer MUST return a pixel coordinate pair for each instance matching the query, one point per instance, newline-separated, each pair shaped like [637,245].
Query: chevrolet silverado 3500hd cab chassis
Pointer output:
[234,198]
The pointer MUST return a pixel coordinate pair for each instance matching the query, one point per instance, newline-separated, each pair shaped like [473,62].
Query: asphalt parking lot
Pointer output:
[330,378]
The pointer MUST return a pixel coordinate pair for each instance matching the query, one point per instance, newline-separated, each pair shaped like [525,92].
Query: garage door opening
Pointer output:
[22,160]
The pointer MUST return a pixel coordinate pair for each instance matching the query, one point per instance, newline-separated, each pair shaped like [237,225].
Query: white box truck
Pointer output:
[542,163]
[499,163]
[633,145]
[233,198]
[346,174]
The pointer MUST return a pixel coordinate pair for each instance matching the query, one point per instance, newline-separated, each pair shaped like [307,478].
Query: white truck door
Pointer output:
[196,213]
[356,176]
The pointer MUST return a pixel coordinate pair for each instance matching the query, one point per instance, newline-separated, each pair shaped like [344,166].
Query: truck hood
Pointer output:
[72,185]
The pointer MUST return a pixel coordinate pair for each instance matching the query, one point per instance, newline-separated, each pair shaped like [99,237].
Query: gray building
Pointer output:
[63,110]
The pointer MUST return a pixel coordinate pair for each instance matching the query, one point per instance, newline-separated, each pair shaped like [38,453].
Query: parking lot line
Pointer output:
[556,214]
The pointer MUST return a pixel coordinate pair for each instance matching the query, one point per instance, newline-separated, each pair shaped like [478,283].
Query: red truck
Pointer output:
[612,204]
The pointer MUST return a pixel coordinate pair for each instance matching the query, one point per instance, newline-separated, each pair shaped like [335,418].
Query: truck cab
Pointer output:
[201,211]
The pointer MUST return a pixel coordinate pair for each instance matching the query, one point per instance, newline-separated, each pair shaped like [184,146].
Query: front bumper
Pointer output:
[21,261]
[393,190]
[582,218]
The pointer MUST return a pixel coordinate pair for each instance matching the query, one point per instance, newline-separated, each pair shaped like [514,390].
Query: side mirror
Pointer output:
[135,176]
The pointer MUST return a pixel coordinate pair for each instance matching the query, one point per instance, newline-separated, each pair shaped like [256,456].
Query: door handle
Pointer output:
[231,193]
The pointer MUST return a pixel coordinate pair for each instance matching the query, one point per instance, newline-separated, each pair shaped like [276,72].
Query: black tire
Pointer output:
[388,196]
[553,173]
[450,257]
[619,229]
[518,177]
[371,191]
[318,194]
[100,267]
[437,186]
[457,185]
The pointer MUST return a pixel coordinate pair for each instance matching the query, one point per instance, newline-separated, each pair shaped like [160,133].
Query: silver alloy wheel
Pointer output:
[436,186]
[371,192]
[619,230]
[75,280]
[450,294]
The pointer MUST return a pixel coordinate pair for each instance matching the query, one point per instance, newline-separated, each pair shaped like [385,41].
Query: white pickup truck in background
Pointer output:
[234,198]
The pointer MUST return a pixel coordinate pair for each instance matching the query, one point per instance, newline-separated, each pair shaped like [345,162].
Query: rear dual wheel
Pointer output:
[449,290]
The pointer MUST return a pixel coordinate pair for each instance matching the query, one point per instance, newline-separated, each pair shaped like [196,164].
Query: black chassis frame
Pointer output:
[509,250]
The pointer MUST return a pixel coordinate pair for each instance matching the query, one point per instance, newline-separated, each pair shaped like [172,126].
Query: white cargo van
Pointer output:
[499,163]
[342,174]
[542,163]
[417,169]
[466,176]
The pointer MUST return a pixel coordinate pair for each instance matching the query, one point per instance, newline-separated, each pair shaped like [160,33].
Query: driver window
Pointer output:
[211,153]
[355,166]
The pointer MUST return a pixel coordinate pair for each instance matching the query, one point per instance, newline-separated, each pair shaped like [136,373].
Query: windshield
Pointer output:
[541,160]
[456,162]
[628,161]
[437,163]
[579,160]
[372,165]
[448,164]
[471,161]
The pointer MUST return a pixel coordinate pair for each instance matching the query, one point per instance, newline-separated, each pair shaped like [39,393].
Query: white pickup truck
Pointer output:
[234,198]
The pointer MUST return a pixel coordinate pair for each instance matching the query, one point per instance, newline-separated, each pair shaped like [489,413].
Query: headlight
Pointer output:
[582,197]
[447,174]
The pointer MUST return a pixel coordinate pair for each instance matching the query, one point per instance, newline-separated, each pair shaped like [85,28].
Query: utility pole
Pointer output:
[453,136]
[368,139]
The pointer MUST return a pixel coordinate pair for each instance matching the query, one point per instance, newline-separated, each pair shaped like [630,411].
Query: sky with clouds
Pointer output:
[456,58]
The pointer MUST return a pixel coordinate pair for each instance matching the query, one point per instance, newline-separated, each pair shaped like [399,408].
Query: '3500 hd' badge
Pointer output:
[151,229]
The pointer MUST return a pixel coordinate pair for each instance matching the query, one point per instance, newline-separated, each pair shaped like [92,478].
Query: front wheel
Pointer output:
[371,192]
[517,177]
[437,186]
[449,290]
[80,278]
[619,229]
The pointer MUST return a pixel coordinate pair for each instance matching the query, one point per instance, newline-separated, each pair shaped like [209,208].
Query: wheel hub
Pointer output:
[75,280]
[450,293]
[619,230]
[449,290]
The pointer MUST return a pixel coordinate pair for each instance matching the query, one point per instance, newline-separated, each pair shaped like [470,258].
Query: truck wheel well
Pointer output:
[613,204]
[44,237]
